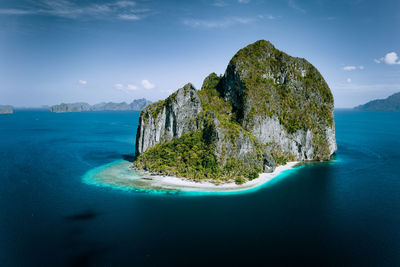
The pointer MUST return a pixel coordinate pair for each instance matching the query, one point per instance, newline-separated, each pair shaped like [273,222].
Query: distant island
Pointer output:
[137,104]
[269,109]
[392,103]
[6,109]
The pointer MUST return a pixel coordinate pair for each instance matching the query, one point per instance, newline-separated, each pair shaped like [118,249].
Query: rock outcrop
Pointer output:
[268,108]
[169,118]
[70,107]
[137,104]
[6,109]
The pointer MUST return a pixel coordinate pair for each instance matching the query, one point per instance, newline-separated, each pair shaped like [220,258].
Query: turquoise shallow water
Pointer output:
[340,213]
[118,175]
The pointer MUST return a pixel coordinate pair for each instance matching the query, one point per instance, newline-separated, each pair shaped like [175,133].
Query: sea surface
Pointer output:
[346,212]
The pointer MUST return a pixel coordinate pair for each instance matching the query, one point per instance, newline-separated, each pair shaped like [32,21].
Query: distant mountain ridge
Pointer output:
[391,103]
[137,104]
[6,109]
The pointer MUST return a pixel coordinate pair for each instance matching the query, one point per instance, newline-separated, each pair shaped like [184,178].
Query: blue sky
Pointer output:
[93,51]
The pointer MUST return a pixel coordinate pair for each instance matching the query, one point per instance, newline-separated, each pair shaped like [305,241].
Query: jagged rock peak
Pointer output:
[268,108]
[165,119]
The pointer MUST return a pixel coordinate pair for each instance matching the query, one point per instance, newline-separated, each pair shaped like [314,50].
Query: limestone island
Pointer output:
[391,103]
[267,113]
[6,109]
[137,104]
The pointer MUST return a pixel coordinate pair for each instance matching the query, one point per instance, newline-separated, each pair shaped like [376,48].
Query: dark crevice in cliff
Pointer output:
[267,109]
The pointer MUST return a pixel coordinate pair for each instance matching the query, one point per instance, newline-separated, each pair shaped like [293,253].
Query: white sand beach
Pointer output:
[120,175]
[176,183]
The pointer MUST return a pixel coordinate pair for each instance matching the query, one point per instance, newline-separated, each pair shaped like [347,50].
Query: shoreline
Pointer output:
[120,175]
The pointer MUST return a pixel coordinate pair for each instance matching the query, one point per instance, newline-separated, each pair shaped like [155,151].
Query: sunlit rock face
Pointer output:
[162,121]
[268,108]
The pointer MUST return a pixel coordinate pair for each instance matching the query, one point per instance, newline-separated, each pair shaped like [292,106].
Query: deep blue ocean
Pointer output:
[346,212]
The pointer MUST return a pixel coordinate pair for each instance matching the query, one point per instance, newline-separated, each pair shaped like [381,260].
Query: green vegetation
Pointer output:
[211,100]
[190,156]
[187,156]
[156,108]
[299,105]
[153,110]
[276,84]
[193,154]
[268,83]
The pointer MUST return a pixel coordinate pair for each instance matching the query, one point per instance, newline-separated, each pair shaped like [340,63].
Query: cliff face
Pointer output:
[282,100]
[267,109]
[162,121]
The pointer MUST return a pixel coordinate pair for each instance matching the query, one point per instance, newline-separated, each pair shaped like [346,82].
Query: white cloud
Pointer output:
[67,9]
[125,88]
[222,23]
[129,17]
[119,86]
[147,84]
[350,68]
[295,6]
[219,3]
[391,58]
[12,11]
[82,82]
[125,3]
[348,80]
[266,17]
[131,87]
[243,1]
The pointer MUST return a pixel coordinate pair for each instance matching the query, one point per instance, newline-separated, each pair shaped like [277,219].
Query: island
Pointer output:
[6,109]
[137,104]
[391,103]
[266,114]
[268,109]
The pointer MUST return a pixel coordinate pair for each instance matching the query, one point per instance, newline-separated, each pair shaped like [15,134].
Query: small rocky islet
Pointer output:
[267,109]
[6,109]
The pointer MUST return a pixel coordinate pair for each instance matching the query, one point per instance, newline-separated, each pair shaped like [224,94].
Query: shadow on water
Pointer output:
[97,155]
[75,231]
[80,251]
[127,157]
[87,257]
[83,216]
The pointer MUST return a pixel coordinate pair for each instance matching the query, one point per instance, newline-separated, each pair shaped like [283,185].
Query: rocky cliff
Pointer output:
[268,108]
[169,118]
